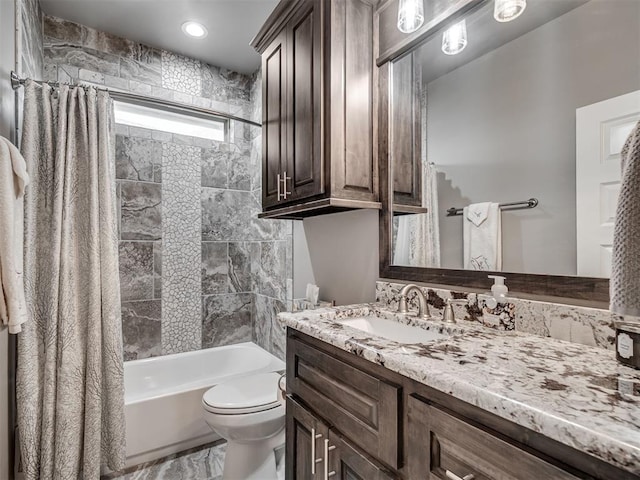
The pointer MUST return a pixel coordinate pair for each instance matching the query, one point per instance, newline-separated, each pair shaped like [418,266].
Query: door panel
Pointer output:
[350,464]
[273,119]
[301,447]
[601,130]
[304,162]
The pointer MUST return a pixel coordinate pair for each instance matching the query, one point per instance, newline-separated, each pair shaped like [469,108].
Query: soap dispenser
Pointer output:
[499,291]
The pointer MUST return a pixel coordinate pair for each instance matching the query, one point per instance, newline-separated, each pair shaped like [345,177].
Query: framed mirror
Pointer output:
[502,146]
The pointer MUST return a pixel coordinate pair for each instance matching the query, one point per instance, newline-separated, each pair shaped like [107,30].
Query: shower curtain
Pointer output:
[69,391]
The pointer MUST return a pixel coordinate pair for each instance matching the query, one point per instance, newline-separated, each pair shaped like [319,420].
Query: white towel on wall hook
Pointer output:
[482,236]
[13,181]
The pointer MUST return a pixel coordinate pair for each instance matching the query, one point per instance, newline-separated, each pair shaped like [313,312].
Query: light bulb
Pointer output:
[410,15]
[194,29]
[507,10]
[454,39]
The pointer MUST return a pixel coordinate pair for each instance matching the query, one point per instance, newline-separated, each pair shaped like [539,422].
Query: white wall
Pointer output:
[7,99]
[338,252]
[502,128]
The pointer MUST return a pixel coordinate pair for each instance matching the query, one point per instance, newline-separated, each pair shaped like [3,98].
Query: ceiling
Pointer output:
[231,25]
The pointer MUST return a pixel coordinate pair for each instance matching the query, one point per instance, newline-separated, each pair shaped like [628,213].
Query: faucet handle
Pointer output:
[448,314]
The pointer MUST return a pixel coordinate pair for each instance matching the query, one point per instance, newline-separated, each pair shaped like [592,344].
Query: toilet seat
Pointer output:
[251,394]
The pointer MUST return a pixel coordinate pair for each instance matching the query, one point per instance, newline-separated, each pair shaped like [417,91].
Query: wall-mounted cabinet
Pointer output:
[318,108]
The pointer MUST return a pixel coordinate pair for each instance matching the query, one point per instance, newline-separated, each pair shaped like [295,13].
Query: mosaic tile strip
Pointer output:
[181,249]
[181,73]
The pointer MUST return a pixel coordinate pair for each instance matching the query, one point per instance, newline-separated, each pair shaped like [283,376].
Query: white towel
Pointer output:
[13,180]
[625,261]
[482,236]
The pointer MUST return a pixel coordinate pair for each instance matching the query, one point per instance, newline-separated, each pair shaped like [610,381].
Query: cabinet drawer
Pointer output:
[363,408]
[449,448]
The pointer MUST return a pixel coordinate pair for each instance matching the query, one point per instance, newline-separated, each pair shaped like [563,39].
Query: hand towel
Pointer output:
[482,236]
[13,181]
[625,261]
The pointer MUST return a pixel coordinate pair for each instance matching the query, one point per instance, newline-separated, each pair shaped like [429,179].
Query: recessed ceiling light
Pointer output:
[194,29]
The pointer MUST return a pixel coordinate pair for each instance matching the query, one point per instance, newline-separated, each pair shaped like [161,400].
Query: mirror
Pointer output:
[505,156]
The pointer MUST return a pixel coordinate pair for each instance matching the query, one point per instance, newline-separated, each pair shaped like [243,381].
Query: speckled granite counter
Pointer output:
[575,394]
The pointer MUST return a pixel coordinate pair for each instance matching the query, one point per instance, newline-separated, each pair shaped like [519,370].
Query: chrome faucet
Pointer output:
[423,307]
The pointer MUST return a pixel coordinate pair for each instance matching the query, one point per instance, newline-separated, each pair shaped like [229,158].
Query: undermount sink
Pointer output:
[398,332]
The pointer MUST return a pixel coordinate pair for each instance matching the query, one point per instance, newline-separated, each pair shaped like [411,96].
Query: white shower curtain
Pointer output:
[70,394]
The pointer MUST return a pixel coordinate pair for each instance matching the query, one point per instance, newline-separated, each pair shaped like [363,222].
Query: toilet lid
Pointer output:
[253,393]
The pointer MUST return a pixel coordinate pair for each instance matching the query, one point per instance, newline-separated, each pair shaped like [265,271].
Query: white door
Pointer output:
[601,130]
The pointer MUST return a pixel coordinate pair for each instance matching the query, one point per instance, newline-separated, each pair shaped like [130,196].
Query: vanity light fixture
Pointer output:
[454,39]
[410,15]
[194,29]
[507,10]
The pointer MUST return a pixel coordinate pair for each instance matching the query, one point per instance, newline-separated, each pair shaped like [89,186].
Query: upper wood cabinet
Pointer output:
[318,108]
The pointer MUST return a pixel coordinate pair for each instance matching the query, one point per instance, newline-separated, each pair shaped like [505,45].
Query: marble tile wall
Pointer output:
[584,325]
[198,268]
[30,41]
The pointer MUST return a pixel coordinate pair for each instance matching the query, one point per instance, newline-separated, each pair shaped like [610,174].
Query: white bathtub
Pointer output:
[163,396]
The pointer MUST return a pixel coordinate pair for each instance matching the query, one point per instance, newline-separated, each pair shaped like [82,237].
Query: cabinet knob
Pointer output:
[327,449]
[453,476]
[314,436]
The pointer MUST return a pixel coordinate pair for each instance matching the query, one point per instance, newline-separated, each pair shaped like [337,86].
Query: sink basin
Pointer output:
[398,332]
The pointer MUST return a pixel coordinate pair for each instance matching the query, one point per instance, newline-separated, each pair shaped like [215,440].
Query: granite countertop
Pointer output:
[575,394]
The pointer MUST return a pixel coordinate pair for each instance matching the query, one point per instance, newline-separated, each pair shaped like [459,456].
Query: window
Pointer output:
[211,128]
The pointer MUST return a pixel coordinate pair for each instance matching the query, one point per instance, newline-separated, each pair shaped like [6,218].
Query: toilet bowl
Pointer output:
[249,413]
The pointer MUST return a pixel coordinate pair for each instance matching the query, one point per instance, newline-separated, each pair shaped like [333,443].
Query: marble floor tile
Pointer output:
[200,463]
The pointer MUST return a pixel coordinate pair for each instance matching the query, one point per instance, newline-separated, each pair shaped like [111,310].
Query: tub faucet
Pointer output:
[423,307]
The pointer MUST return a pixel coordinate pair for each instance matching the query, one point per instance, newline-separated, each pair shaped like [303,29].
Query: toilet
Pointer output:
[249,413]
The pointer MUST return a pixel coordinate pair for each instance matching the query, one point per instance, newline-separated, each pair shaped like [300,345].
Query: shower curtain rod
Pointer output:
[17,82]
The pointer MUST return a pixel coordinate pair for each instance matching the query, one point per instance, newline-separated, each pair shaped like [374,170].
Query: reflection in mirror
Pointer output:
[533,112]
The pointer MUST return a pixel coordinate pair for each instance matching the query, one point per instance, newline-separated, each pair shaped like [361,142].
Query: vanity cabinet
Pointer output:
[447,447]
[319,452]
[382,425]
[318,89]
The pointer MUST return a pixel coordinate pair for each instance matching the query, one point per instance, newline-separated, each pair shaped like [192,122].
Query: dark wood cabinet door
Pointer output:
[443,446]
[405,146]
[304,166]
[347,463]
[354,168]
[305,443]
[273,119]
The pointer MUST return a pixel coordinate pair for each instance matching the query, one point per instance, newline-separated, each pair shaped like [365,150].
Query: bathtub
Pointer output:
[163,396]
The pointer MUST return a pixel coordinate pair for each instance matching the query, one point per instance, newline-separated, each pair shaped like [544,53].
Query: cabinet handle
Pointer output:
[453,476]
[314,460]
[284,185]
[279,195]
[327,449]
